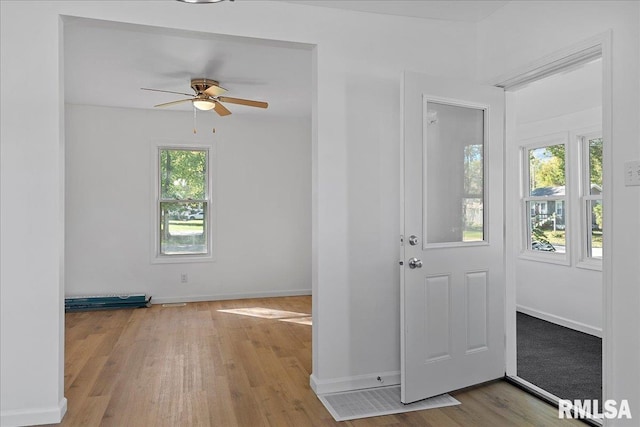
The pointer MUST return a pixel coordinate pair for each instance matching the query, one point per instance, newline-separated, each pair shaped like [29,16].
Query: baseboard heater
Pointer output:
[106,302]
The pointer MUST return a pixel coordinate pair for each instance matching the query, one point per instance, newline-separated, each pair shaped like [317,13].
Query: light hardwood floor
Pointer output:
[196,365]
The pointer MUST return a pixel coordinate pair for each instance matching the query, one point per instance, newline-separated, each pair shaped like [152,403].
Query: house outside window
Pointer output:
[545,199]
[183,204]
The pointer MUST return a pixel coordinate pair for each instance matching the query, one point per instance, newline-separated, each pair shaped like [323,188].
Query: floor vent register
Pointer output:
[375,402]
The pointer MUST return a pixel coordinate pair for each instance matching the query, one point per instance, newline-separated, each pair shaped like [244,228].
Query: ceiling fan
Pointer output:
[208,96]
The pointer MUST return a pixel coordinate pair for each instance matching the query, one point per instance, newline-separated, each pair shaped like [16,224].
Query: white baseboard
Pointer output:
[562,321]
[30,417]
[336,385]
[221,297]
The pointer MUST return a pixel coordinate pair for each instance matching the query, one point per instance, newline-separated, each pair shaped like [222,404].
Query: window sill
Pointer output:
[550,258]
[181,259]
[590,264]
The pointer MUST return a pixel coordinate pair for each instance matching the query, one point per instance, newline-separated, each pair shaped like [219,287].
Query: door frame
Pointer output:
[565,59]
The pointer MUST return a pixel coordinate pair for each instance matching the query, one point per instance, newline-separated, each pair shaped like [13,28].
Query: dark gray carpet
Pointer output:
[562,361]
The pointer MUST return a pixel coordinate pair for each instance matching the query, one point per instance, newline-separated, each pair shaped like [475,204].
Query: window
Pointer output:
[544,201]
[454,184]
[183,203]
[592,196]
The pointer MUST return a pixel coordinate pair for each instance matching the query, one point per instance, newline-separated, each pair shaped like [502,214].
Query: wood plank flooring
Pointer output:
[198,366]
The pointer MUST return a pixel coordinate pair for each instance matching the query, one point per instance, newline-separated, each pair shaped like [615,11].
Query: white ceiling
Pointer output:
[107,63]
[450,10]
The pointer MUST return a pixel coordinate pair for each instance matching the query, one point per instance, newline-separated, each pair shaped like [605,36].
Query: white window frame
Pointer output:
[586,261]
[210,226]
[526,252]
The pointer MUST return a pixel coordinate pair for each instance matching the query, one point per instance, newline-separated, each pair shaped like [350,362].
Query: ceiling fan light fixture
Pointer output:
[204,104]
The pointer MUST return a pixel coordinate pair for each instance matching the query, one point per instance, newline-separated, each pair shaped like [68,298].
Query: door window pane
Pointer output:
[454,162]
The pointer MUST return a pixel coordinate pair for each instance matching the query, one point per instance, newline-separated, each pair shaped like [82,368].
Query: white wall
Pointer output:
[32,230]
[523,32]
[355,181]
[262,203]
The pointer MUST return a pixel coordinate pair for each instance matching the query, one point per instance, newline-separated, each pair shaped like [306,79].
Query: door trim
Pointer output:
[560,61]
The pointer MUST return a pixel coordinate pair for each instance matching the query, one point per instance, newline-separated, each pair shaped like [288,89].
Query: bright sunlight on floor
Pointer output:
[269,313]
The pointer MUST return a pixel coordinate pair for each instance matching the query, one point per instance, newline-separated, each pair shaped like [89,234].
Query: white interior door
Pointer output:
[453,317]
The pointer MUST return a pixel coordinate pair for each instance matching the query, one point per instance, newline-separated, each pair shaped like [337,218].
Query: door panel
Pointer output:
[477,314]
[436,318]
[452,281]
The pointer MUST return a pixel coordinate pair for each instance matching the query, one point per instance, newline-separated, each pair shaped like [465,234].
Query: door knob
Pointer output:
[415,263]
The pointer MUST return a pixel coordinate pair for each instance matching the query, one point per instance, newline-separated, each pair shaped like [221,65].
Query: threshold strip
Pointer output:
[548,398]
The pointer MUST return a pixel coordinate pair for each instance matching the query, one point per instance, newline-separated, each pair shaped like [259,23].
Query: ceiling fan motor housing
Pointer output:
[199,85]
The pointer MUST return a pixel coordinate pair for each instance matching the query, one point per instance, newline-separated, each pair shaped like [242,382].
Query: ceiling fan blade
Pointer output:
[221,109]
[248,102]
[166,91]
[167,104]
[215,90]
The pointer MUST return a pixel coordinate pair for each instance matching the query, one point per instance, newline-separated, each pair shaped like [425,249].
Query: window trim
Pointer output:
[584,260]
[560,138]
[210,225]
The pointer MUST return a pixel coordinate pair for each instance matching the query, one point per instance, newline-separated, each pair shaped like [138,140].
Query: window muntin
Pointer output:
[545,204]
[592,196]
[183,202]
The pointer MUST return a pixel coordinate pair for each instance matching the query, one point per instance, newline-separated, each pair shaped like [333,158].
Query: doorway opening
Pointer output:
[556,173]
[258,165]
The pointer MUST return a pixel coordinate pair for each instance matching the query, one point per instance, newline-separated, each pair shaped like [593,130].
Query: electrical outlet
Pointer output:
[184,278]
[632,173]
